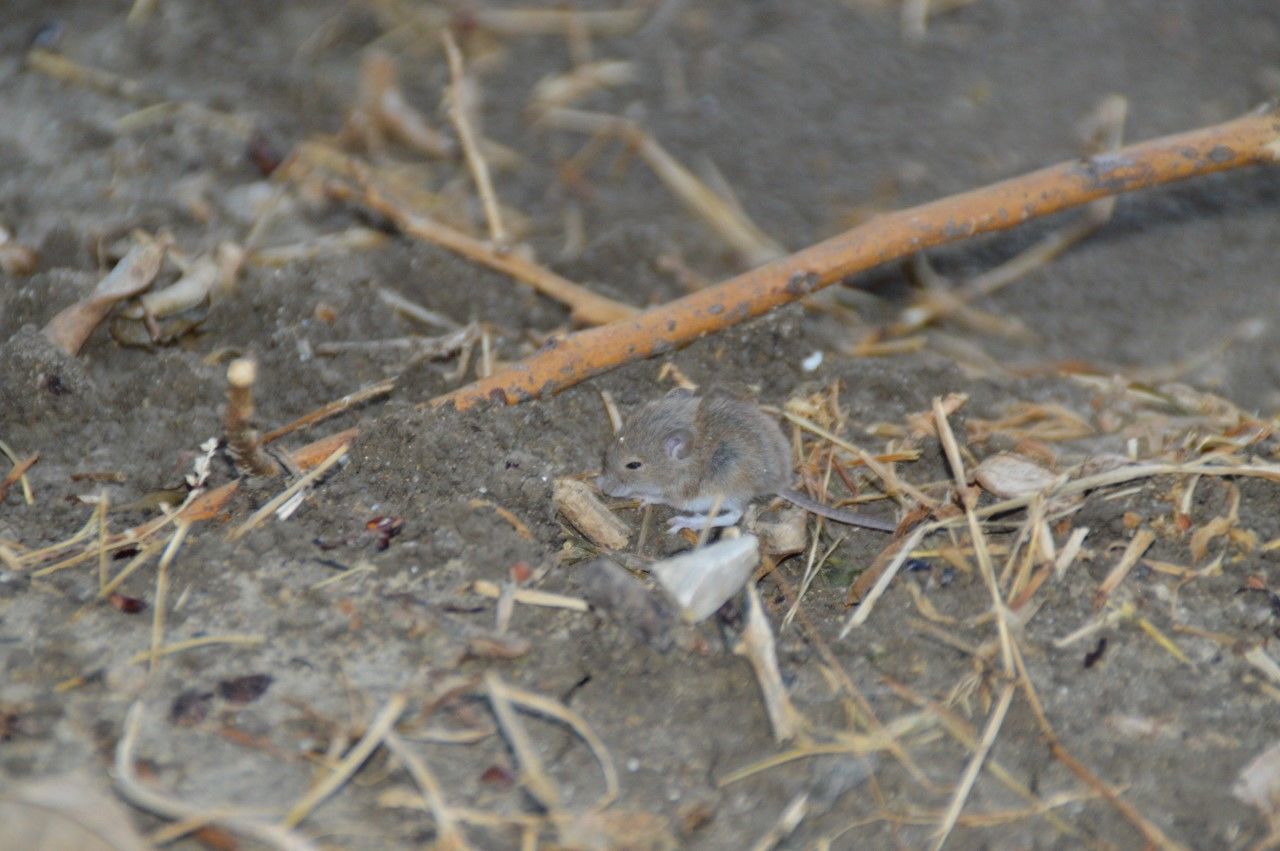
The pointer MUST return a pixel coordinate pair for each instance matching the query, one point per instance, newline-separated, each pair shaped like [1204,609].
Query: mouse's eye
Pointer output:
[633,465]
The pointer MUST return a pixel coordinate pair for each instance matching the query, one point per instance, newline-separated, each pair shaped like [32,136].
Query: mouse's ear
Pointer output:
[679,393]
[677,444]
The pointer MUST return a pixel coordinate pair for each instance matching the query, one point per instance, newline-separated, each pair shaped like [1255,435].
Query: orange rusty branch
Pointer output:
[1249,140]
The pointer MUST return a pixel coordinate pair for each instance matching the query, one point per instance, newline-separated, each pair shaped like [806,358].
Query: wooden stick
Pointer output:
[1250,140]
[237,421]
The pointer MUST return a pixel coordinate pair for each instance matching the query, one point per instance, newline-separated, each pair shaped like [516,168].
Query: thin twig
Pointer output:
[373,736]
[456,105]
[994,722]
[284,495]
[162,590]
[133,790]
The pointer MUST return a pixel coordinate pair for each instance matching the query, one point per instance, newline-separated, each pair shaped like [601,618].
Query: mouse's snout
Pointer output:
[609,485]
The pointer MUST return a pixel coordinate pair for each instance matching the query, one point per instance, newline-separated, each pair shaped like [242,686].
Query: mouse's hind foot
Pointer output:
[698,522]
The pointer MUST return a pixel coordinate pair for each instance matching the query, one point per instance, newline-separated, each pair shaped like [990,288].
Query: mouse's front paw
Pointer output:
[698,522]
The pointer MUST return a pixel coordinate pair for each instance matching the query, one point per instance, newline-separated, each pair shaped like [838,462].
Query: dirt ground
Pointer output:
[816,115]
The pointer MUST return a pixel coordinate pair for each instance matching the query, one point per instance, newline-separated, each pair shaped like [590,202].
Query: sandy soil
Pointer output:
[816,114]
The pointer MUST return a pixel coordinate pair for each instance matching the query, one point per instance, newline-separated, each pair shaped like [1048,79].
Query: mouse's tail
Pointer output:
[850,518]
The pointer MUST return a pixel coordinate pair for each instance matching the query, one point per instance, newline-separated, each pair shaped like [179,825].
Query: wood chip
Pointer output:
[578,503]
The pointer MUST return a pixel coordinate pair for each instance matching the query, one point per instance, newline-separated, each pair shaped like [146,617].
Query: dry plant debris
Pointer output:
[132,275]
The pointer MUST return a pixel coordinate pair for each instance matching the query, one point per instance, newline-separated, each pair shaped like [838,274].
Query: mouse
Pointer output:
[707,453]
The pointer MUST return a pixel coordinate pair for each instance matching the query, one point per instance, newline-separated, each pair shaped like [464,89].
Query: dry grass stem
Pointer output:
[61,68]
[415,348]
[563,90]
[508,696]
[457,103]
[448,835]
[1134,551]
[133,790]
[331,409]
[194,644]
[413,310]
[533,777]
[373,736]
[162,590]
[721,215]
[384,109]
[327,245]
[281,498]
[531,596]
[786,824]
[1251,140]
[18,473]
[584,305]
[994,722]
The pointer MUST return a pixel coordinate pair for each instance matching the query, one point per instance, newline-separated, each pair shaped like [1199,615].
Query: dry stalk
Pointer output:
[18,472]
[193,644]
[449,836]
[457,102]
[585,306]
[237,423]
[533,777]
[721,215]
[1251,140]
[133,790]
[373,736]
[1137,546]
[27,494]
[792,814]
[162,590]
[281,498]
[965,786]
[501,694]
[531,596]
[330,409]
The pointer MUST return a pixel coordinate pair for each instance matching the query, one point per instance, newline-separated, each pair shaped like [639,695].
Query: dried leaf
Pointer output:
[73,325]
[1007,475]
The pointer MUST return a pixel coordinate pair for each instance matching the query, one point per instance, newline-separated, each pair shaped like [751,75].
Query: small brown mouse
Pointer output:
[695,453]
